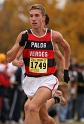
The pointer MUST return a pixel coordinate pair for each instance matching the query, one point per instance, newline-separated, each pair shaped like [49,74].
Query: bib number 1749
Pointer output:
[38,65]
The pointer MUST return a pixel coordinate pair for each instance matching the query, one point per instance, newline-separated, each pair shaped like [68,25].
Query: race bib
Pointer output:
[38,65]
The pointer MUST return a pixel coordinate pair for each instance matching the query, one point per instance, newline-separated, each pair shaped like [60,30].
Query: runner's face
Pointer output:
[36,18]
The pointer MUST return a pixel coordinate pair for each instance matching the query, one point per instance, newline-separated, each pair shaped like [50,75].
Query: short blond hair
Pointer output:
[40,7]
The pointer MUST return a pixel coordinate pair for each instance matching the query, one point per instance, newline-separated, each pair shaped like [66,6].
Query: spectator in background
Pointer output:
[72,103]
[4,86]
[65,88]
[80,92]
[11,72]
[15,110]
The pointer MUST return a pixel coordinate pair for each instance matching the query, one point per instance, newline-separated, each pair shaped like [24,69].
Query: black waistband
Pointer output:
[36,75]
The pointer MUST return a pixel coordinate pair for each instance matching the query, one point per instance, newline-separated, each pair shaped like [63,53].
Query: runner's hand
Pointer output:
[66,76]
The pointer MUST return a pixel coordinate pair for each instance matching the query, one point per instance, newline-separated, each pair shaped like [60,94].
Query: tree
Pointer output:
[72,20]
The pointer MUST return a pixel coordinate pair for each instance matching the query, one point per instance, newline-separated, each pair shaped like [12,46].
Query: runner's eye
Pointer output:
[37,15]
[31,15]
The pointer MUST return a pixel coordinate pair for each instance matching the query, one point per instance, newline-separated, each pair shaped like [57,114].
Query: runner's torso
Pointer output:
[38,55]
